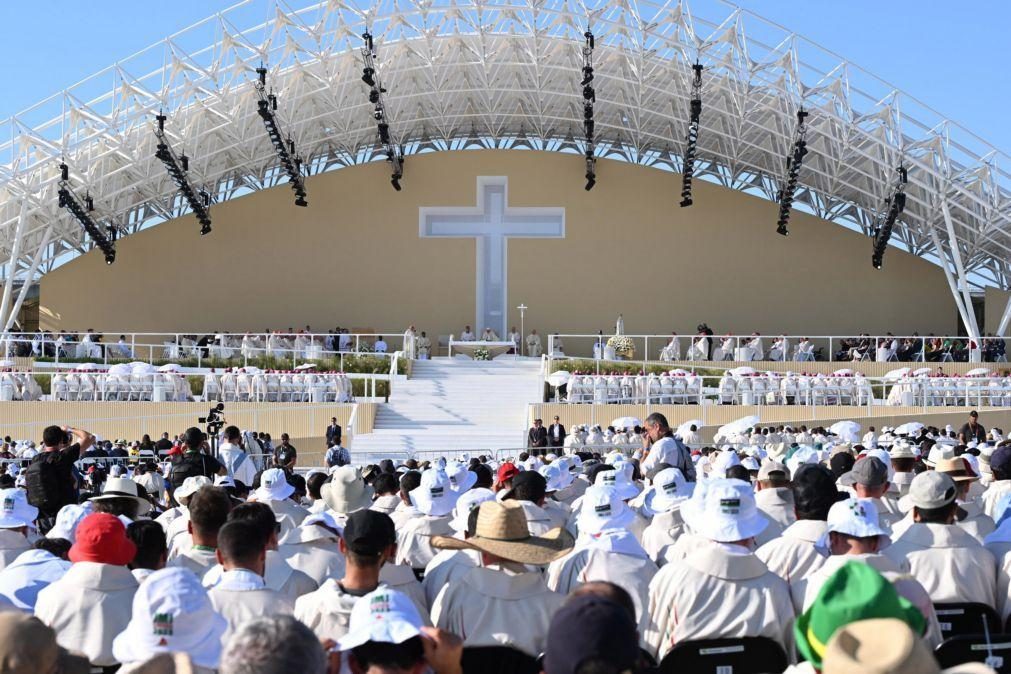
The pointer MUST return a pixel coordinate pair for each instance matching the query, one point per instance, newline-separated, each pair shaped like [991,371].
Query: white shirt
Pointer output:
[951,564]
[664,450]
[241,596]
[240,466]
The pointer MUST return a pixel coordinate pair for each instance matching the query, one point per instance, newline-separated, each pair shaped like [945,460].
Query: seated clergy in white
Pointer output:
[33,570]
[369,544]
[773,495]
[605,550]
[951,564]
[467,335]
[853,535]
[870,480]
[489,335]
[721,589]
[434,498]
[529,490]
[346,492]
[312,548]
[974,520]
[241,594]
[91,603]
[278,575]
[17,520]
[664,500]
[501,603]
[578,483]
[208,511]
[276,492]
[175,521]
[618,476]
[795,553]
[172,613]
[1000,484]
[449,565]
[999,544]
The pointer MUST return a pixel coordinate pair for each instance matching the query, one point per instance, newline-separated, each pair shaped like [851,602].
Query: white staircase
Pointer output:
[453,405]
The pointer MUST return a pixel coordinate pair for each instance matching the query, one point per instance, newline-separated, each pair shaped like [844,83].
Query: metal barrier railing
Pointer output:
[799,348]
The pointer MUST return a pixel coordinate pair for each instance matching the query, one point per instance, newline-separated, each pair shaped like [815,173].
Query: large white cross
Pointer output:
[492,223]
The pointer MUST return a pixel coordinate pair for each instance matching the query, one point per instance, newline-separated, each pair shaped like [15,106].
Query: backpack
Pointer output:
[45,484]
[191,464]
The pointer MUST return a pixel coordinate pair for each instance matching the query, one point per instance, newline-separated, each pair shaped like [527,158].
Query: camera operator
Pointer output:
[193,461]
[50,479]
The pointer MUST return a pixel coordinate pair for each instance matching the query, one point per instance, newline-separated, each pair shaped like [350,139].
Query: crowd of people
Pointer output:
[804,552]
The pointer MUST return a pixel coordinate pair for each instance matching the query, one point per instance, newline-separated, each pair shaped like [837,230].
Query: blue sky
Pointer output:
[954,58]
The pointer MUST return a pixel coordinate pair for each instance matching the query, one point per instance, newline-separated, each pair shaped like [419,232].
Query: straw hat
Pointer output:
[884,646]
[957,469]
[502,531]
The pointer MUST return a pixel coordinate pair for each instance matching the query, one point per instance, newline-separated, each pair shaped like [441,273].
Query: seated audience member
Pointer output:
[529,490]
[870,481]
[1000,484]
[32,571]
[17,519]
[369,541]
[721,590]
[969,515]
[91,603]
[449,565]
[276,491]
[669,492]
[591,633]
[502,602]
[387,493]
[773,495]
[172,613]
[152,549]
[346,492]
[241,594]
[386,634]
[434,498]
[312,548]
[405,511]
[27,646]
[946,559]
[854,592]
[272,645]
[208,512]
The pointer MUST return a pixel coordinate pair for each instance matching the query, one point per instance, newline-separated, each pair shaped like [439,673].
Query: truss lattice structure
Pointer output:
[465,74]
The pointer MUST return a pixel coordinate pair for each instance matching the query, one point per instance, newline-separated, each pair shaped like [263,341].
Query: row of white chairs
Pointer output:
[19,386]
[278,387]
[152,386]
[952,391]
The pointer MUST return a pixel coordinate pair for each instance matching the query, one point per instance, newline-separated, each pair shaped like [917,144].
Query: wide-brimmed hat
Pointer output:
[958,469]
[620,480]
[172,613]
[854,517]
[856,591]
[724,511]
[902,450]
[67,520]
[191,486]
[15,510]
[502,531]
[435,494]
[273,486]
[123,487]
[670,488]
[465,504]
[724,460]
[602,508]
[939,453]
[382,616]
[461,478]
[101,538]
[885,646]
[28,646]
[346,491]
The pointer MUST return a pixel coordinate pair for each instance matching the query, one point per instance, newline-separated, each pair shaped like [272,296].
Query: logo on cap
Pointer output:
[9,504]
[380,603]
[162,624]
[609,477]
[857,509]
[671,487]
[602,509]
[436,492]
[730,506]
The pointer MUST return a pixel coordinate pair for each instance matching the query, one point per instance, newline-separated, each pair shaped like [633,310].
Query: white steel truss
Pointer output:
[466,74]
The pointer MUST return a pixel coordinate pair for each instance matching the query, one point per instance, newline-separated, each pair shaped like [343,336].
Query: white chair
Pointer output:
[212,389]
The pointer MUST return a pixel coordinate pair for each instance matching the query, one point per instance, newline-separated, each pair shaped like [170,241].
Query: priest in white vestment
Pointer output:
[534,344]
[467,335]
[424,346]
[410,343]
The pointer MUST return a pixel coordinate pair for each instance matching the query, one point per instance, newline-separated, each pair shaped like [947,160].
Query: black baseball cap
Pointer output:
[591,627]
[369,532]
[814,488]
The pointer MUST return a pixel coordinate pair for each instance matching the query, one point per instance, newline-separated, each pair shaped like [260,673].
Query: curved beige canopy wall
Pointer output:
[354,258]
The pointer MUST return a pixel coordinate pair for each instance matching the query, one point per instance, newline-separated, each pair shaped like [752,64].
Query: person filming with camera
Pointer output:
[50,479]
[193,461]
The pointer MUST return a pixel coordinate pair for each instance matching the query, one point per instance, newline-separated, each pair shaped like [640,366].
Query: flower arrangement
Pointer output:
[623,346]
[482,354]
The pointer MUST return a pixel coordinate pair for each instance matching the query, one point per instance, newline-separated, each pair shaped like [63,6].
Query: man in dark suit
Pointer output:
[556,434]
[538,435]
[333,432]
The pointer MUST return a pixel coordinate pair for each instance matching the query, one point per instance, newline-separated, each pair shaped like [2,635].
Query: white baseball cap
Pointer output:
[856,517]
[385,616]
[172,613]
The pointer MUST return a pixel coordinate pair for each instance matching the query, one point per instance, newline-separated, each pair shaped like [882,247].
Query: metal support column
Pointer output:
[971,327]
[27,283]
[12,264]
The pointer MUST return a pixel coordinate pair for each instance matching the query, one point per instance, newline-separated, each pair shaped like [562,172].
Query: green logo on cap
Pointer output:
[730,506]
[162,624]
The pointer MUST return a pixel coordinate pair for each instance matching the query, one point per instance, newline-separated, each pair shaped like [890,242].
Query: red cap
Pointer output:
[101,538]
[506,472]
[175,451]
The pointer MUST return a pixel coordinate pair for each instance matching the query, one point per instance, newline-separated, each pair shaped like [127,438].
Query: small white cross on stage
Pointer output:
[492,223]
